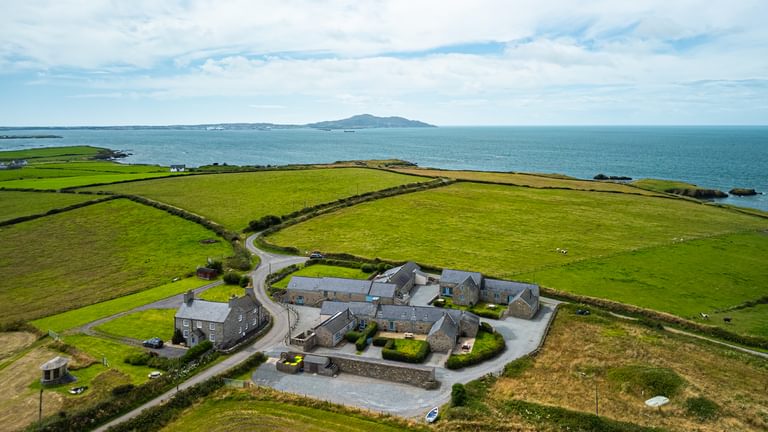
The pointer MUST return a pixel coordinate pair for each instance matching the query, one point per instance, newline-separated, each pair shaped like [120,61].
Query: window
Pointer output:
[255,321]
[240,318]
[256,310]
[447,291]
[186,333]
[212,337]
[199,324]
[496,295]
[325,293]
[241,330]
[212,326]
[186,323]
[392,326]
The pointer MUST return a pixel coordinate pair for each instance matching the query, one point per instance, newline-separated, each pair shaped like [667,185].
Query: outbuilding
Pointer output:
[56,371]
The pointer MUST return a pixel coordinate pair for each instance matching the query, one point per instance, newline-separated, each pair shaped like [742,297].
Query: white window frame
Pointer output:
[240,318]
[185,323]
[186,333]
[255,321]
[241,329]
[211,326]
[199,324]
[212,337]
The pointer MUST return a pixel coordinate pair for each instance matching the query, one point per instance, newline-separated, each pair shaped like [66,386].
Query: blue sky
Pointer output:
[448,63]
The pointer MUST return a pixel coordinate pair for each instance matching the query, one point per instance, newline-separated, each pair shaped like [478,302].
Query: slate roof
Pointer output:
[515,287]
[304,283]
[337,322]
[447,325]
[459,276]
[422,313]
[357,308]
[381,289]
[399,275]
[54,363]
[314,359]
[204,310]
[245,302]
[352,286]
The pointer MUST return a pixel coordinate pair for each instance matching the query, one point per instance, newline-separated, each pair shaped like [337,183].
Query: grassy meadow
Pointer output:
[531,180]
[86,178]
[221,293]
[81,316]
[142,325]
[660,185]
[322,270]
[52,154]
[235,199]
[115,353]
[93,254]
[18,204]
[630,363]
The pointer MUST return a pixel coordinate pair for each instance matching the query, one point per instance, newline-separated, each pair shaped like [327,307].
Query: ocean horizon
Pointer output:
[718,157]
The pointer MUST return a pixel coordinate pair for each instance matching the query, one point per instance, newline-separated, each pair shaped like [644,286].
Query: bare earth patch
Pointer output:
[19,403]
[12,342]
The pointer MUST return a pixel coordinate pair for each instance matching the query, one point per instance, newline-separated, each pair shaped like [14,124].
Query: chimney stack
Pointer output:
[189,297]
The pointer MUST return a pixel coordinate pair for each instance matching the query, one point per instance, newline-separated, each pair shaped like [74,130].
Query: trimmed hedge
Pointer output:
[352,336]
[390,352]
[196,352]
[380,341]
[362,341]
[479,354]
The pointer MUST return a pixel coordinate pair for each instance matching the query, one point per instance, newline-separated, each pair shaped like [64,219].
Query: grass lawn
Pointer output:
[115,353]
[410,347]
[78,317]
[480,309]
[235,199]
[99,166]
[684,279]
[17,204]
[322,270]
[47,154]
[85,179]
[222,293]
[93,254]
[752,320]
[580,350]
[531,180]
[659,185]
[265,409]
[142,325]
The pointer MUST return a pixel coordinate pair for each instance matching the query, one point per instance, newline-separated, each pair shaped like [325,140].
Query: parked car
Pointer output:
[582,312]
[155,342]
[155,374]
[78,390]
[315,255]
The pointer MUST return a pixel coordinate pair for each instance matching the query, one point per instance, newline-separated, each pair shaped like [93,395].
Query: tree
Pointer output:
[231,278]
[177,337]
[458,395]
[245,280]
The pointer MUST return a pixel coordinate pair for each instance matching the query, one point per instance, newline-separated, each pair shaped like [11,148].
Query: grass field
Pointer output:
[17,204]
[235,199]
[580,350]
[265,409]
[752,320]
[660,185]
[87,178]
[78,317]
[115,353]
[322,270]
[100,166]
[95,253]
[48,154]
[684,278]
[531,180]
[142,325]
[222,293]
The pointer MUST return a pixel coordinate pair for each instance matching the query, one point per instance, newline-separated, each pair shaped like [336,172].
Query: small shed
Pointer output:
[320,365]
[178,168]
[206,273]
[55,371]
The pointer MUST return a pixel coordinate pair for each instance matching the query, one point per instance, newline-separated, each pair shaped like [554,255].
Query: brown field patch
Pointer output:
[13,342]
[19,403]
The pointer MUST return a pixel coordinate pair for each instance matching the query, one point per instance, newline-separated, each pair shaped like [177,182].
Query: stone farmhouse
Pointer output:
[224,324]
[469,288]
[390,287]
[443,327]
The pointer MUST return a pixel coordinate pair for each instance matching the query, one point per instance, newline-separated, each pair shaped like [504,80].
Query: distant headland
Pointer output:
[29,136]
[362,121]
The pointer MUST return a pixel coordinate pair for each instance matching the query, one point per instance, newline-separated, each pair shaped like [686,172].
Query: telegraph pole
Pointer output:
[40,410]
[597,411]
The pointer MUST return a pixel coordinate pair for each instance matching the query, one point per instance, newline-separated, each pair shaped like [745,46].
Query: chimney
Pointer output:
[189,297]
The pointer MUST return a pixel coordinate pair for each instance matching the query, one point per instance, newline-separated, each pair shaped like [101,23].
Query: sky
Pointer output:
[479,62]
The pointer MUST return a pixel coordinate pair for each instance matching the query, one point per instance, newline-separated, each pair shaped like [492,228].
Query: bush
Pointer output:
[232,278]
[241,260]
[245,280]
[458,395]
[484,326]
[701,408]
[367,268]
[178,337]
[405,350]
[380,341]
[140,359]
[122,390]
[487,345]
[352,336]
[362,341]
[646,380]
[196,352]
[216,265]
[383,267]
[252,361]
[264,222]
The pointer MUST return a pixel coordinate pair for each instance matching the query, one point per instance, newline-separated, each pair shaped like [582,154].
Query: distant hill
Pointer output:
[363,121]
[367,121]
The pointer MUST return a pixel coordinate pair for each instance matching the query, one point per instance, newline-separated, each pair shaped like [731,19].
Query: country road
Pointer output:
[273,338]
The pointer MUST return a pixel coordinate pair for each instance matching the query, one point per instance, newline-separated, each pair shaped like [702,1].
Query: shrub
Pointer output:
[231,278]
[122,390]
[367,268]
[484,326]
[264,222]
[196,352]
[352,336]
[241,260]
[252,361]
[487,345]
[140,359]
[701,408]
[458,395]
[245,280]
[405,350]
[178,337]
[216,265]
[646,380]
[362,341]
[383,266]
[380,341]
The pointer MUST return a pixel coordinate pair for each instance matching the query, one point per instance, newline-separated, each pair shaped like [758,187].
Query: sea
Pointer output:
[718,157]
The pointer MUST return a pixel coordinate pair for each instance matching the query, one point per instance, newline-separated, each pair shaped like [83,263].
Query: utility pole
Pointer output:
[597,411]
[40,410]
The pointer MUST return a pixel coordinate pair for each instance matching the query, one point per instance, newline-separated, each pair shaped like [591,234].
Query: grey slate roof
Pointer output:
[381,289]
[459,276]
[337,322]
[399,275]
[447,325]
[245,302]
[514,287]
[357,308]
[304,283]
[352,286]
[314,359]
[422,313]
[204,311]
[54,363]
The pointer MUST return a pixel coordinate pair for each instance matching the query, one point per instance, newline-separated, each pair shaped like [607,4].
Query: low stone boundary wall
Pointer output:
[419,376]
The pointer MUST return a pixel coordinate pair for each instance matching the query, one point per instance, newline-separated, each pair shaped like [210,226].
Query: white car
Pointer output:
[155,374]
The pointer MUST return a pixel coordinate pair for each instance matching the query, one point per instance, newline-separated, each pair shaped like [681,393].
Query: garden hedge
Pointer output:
[390,352]
[478,355]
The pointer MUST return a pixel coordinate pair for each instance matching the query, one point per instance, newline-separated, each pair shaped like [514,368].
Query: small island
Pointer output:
[743,192]
[29,136]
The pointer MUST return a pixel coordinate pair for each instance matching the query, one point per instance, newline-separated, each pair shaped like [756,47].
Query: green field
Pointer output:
[114,352]
[235,199]
[660,185]
[684,278]
[17,204]
[88,178]
[47,154]
[78,317]
[101,166]
[322,270]
[95,253]
[752,320]
[39,171]
[142,325]
[240,412]
[222,293]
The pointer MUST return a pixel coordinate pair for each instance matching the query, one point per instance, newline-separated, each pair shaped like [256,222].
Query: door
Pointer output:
[392,326]
[299,300]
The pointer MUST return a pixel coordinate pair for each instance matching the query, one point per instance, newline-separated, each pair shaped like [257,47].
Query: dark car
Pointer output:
[153,343]
[582,312]
[315,255]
